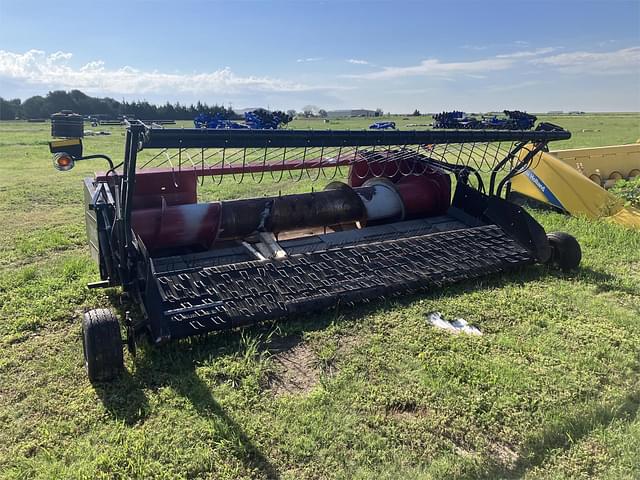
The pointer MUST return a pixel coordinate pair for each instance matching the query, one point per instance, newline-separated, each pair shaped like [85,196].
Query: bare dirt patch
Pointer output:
[294,367]
[504,455]
[297,368]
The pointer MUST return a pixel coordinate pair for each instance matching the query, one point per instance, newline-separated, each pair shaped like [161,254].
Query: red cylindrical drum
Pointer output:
[177,226]
[425,195]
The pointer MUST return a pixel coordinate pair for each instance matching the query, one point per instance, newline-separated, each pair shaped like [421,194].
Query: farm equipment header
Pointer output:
[383,223]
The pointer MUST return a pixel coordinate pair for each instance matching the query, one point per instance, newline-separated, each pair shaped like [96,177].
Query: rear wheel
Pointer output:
[102,345]
[565,250]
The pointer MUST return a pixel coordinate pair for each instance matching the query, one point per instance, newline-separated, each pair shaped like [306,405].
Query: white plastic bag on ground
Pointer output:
[459,325]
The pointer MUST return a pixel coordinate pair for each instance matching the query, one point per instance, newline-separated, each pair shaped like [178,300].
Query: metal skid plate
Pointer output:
[207,298]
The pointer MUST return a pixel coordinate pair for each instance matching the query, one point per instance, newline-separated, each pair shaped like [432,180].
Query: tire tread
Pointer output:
[102,345]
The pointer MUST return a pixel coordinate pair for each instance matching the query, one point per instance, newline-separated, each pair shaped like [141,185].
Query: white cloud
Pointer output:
[528,53]
[358,62]
[605,43]
[54,57]
[474,47]
[626,60]
[35,67]
[434,67]
[309,59]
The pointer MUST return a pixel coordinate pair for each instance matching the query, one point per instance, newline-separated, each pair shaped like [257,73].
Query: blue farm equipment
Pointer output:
[514,120]
[520,120]
[259,119]
[205,120]
[455,119]
[262,119]
[382,125]
[495,122]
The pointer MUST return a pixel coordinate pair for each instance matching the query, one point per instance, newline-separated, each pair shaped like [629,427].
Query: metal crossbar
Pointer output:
[205,138]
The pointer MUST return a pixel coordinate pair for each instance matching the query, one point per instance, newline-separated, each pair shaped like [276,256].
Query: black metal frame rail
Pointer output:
[204,138]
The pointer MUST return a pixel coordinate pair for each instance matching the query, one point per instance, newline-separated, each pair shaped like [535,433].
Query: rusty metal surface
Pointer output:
[212,298]
[377,233]
[241,218]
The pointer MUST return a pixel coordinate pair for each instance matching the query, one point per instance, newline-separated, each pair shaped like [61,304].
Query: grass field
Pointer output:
[552,389]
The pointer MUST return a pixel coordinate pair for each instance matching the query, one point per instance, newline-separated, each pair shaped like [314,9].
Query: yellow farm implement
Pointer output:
[603,165]
[573,181]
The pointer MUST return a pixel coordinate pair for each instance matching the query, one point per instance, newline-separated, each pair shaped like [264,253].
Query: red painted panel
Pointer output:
[175,187]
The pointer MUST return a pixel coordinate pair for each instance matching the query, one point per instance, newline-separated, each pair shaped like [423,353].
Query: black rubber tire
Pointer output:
[102,345]
[566,252]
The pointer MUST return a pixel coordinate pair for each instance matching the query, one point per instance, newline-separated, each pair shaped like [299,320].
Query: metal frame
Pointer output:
[130,262]
[203,138]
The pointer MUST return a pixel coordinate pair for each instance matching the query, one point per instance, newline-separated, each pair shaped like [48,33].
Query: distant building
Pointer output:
[555,112]
[351,113]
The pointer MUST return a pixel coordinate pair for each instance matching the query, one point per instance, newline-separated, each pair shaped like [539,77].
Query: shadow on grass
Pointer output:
[124,399]
[566,432]
[174,366]
[180,374]
[604,282]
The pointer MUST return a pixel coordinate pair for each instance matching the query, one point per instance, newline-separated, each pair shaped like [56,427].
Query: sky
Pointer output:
[396,55]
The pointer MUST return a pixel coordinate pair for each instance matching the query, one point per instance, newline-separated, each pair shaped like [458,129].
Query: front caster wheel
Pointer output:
[565,251]
[102,345]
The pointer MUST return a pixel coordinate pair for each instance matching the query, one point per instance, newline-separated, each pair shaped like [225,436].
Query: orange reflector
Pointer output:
[63,161]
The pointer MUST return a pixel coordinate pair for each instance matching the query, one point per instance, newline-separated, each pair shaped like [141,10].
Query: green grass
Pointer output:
[550,391]
[629,191]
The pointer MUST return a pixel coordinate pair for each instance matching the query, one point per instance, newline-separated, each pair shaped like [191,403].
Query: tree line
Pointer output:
[77,101]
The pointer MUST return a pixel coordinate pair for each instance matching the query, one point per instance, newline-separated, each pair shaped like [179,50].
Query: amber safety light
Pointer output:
[63,161]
